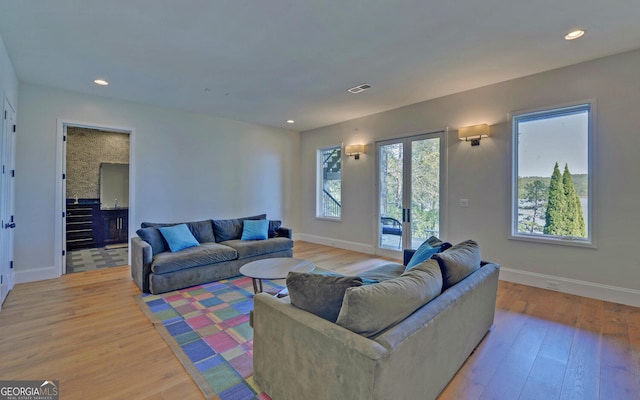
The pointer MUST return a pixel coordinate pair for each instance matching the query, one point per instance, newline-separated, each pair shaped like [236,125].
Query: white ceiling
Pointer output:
[266,61]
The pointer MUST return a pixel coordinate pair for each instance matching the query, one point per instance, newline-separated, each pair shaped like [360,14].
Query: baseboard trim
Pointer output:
[36,274]
[614,294]
[341,244]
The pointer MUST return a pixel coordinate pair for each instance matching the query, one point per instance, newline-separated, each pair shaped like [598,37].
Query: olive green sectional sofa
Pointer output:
[217,253]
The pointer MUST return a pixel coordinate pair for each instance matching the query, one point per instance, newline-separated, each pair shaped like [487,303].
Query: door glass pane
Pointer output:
[425,190]
[330,190]
[391,186]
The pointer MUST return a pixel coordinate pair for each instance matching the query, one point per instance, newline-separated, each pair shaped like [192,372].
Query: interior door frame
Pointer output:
[8,137]
[407,140]
[60,198]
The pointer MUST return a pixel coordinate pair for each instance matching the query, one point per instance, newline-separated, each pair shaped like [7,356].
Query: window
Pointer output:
[552,180]
[329,183]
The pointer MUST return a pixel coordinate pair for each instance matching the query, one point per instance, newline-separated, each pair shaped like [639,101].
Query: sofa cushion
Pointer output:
[206,253]
[319,294]
[365,280]
[231,229]
[253,248]
[201,230]
[369,310]
[178,237]
[154,238]
[458,262]
[255,229]
[273,228]
[383,272]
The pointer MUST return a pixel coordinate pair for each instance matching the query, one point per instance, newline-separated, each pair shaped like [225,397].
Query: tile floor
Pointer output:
[91,259]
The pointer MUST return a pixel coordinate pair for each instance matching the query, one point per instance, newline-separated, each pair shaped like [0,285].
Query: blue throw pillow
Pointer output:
[255,229]
[424,252]
[178,237]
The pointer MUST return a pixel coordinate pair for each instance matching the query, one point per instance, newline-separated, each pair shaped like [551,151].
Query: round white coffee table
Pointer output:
[273,268]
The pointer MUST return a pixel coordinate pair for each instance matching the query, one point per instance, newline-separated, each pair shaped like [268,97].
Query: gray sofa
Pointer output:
[297,353]
[219,255]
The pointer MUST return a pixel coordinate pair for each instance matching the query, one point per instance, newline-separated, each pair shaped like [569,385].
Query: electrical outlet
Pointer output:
[553,285]
[464,202]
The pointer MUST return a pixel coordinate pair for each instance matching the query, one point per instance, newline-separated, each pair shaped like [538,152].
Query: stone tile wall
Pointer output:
[86,150]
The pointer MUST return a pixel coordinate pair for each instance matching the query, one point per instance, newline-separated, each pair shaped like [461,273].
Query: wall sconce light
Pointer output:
[473,133]
[354,150]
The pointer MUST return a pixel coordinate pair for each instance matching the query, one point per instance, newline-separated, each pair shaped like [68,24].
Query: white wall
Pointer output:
[185,166]
[482,174]
[8,79]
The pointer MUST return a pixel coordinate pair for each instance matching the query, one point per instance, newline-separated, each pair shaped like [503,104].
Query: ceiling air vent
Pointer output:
[359,88]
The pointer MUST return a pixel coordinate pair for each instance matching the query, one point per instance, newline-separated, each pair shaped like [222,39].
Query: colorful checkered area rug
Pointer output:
[207,327]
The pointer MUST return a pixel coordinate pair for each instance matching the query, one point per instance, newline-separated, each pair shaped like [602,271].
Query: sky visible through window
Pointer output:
[544,205]
[543,142]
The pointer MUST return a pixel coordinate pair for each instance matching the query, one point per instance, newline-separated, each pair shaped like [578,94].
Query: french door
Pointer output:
[410,172]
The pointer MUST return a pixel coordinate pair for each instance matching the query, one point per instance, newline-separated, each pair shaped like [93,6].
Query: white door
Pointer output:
[409,191]
[64,200]
[7,179]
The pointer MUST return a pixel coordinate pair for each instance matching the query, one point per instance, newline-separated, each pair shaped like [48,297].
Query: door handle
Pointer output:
[406,215]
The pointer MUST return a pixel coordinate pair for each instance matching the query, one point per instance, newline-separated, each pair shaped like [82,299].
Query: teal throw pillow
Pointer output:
[178,237]
[255,229]
[424,252]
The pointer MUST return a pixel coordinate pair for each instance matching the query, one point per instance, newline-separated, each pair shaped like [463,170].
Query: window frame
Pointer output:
[553,111]
[319,181]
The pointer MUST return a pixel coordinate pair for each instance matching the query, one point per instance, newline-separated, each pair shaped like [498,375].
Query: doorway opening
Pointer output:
[95,197]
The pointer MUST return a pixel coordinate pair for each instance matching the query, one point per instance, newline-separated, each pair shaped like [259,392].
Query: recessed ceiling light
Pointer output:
[101,82]
[574,34]
[290,121]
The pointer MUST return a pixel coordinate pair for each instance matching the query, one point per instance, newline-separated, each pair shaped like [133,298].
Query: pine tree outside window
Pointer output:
[552,183]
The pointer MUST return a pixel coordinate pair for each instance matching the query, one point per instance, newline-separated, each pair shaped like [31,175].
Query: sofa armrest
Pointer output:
[285,232]
[141,258]
[289,342]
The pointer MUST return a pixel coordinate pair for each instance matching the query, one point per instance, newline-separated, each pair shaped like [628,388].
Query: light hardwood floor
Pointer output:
[86,331]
